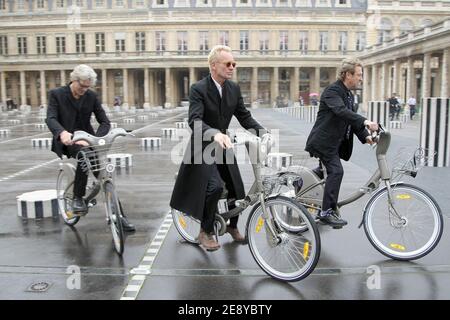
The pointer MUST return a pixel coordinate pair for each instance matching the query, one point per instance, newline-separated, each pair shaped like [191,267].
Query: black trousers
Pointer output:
[81,177]
[335,173]
[214,189]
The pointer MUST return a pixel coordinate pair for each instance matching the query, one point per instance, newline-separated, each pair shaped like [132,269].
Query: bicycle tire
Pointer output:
[64,194]
[114,216]
[187,227]
[414,204]
[271,254]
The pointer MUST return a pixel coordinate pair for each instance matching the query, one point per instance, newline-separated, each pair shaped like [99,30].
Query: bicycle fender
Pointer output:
[69,168]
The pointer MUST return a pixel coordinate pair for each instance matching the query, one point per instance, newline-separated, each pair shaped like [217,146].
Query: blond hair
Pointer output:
[215,51]
[348,65]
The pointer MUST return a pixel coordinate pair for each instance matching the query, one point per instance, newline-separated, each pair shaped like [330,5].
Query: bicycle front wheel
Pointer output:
[187,227]
[114,217]
[412,234]
[284,255]
[64,193]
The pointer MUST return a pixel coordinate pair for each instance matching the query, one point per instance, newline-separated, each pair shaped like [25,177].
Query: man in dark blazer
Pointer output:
[213,101]
[70,108]
[331,137]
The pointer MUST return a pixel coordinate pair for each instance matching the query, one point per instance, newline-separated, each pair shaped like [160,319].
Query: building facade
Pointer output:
[149,52]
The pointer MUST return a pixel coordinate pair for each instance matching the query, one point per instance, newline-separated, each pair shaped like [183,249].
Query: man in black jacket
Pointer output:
[213,101]
[70,108]
[331,138]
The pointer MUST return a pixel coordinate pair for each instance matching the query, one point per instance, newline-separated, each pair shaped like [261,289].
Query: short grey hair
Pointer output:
[83,72]
[215,51]
[348,65]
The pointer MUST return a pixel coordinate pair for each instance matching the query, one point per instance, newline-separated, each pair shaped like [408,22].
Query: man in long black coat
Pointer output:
[213,101]
[331,137]
[70,108]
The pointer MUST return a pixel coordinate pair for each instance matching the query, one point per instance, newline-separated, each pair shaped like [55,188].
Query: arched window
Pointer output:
[384,30]
[406,25]
[426,23]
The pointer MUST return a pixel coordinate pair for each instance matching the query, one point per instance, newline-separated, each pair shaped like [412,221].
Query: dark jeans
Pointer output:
[412,111]
[81,177]
[335,173]
[214,190]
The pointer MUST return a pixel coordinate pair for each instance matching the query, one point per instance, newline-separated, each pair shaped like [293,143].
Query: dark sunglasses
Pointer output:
[229,64]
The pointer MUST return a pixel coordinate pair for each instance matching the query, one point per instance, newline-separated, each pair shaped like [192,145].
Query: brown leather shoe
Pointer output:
[235,234]
[207,241]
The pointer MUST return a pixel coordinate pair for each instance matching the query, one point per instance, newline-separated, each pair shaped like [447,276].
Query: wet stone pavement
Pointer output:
[38,257]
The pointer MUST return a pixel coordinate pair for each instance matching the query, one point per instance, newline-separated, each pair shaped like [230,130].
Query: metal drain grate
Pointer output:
[41,286]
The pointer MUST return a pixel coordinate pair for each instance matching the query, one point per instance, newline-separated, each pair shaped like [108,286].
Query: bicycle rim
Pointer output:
[113,210]
[64,192]
[415,234]
[187,226]
[291,256]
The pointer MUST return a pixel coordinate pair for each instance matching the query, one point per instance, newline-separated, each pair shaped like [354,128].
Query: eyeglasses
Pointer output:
[229,64]
[83,86]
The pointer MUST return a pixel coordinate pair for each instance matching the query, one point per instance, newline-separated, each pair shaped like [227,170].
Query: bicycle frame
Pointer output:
[381,174]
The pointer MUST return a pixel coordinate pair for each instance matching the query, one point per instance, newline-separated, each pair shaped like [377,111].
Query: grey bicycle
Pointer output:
[402,221]
[93,159]
[284,255]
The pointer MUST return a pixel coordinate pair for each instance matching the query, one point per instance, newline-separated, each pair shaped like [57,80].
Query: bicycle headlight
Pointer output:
[110,167]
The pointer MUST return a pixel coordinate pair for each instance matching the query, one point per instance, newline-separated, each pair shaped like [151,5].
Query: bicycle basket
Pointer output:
[415,158]
[94,158]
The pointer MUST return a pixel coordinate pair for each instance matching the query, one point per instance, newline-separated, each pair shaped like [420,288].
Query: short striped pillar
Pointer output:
[113,125]
[129,120]
[404,117]
[169,132]
[395,124]
[40,126]
[14,121]
[121,113]
[41,118]
[311,113]
[153,115]
[151,142]
[37,204]
[378,111]
[4,132]
[142,117]
[41,142]
[435,131]
[186,120]
[181,125]
[122,160]
[279,160]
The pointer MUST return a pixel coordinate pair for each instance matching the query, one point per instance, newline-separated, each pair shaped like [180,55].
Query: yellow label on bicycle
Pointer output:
[312,210]
[69,214]
[182,222]
[398,246]
[259,225]
[403,196]
[305,250]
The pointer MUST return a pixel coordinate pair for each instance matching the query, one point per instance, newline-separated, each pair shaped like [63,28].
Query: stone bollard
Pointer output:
[40,126]
[113,125]
[434,131]
[378,111]
[169,132]
[151,142]
[142,117]
[122,160]
[279,160]
[129,120]
[395,124]
[14,121]
[5,132]
[41,142]
[38,204]
[181,125]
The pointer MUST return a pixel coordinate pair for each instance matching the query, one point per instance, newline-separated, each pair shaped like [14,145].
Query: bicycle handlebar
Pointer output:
[106,139]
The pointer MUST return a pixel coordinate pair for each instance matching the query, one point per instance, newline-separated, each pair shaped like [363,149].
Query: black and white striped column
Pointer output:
[37,204]
[435,131]
[379,112]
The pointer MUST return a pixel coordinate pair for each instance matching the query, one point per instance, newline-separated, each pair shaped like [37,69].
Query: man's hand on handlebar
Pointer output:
[223,140]
[372,126]
[66,138]
[82,143]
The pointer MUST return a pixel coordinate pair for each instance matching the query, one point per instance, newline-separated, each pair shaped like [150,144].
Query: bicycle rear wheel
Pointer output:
[410,237]
[287,256]
[64,192]
[114,216]
[187,227]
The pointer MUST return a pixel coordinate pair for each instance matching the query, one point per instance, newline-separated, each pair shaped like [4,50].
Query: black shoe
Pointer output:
[331,218]
[79,205]
[127,226]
